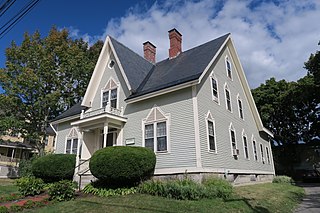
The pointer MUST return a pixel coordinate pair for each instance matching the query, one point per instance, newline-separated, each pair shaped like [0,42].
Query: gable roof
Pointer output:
[187,66]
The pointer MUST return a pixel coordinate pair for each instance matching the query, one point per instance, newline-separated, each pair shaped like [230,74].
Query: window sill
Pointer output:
[162,152]
[212,151]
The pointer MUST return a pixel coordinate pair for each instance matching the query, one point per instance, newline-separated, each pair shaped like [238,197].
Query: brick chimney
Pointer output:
[175,43]
[149,51]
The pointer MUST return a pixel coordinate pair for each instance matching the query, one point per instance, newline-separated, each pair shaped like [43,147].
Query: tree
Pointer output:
[42,78]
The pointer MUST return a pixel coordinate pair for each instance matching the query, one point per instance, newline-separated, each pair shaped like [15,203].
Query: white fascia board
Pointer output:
[65,119]
[96,75]
[213,59]
[163,91]
[120,66]
[246,88]
[85,120]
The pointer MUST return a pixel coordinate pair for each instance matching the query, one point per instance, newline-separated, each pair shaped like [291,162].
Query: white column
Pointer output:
[120,137]
[105,133]
[12,154]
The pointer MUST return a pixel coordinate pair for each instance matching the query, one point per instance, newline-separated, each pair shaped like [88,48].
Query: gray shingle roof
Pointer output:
[74,110]
[187,66]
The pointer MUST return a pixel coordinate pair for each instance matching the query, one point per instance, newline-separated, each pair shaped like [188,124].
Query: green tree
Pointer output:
[42,78]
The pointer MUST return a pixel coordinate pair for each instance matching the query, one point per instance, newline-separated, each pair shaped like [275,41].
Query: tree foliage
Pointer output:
[42,78]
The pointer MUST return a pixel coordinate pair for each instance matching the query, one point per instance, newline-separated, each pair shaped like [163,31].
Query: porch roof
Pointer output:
[17,145]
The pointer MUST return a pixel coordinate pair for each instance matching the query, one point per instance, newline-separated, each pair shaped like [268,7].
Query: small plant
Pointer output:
[62,191]
[217,187]
[30,185]
[25,167]
[105,192]
[15,208]
[4,209]
[10,197]
[283,179]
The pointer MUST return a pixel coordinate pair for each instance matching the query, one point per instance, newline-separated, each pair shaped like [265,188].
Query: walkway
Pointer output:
[311,202]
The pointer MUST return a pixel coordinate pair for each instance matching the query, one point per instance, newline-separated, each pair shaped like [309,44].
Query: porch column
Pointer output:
[12,154]
[105,133]
[120,137]
[79,151]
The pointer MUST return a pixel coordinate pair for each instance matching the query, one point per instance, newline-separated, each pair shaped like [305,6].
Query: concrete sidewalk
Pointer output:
[311,202]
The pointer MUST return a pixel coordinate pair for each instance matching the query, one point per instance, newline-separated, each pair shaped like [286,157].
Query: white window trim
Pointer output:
[239,99]
[268,161]
[262,154]
[214,99]
[72,137]
[210,118]
[253,139]
[244,149]
[235,136]
[105,89]
[168,124]
[225,95]
[227,59]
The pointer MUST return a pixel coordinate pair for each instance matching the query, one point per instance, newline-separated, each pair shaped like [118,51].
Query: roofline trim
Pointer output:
[12,146]
[65,119]
[213,59]
[162,91]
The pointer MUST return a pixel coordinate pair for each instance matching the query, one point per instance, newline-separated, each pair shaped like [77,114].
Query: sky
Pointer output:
[273,38]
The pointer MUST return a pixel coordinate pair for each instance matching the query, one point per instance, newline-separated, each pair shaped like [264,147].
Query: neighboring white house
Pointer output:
[194,109]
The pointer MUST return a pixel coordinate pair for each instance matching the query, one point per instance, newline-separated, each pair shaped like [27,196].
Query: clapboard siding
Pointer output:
[178,105]
[222,117]
[63,130]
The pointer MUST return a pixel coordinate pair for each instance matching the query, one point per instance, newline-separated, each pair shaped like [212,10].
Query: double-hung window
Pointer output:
[262,154]
[228,99]
[254,144]
[268,156]
[245,145]
[156,131]
[212,144]
[110,94]
[233,138]
[215,94]
[240,108]
[72,142]
[229,70]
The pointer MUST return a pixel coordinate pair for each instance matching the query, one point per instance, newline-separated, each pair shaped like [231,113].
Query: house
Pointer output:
[194,110]
[49,139]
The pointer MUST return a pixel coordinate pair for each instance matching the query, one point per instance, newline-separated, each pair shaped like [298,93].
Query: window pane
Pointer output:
[245,147]
[210,128]
[68,146]
[149,131]
[211,143]
[105,98]
[149,143]
[114,94]
[233,139]
[161,129]
[214,88]
[74,146]
[162,143]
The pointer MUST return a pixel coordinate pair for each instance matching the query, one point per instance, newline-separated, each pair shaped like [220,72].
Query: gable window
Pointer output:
[262,154]
[228,65]
[228,99]
[245,146]
[156,131]
[72,142]
[211,132]
[240,108]
[214,86]
[255,150]
[110,94]
[268,156]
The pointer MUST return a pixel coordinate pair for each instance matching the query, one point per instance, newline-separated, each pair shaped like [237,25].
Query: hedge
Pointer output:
[54,167]
[122,165]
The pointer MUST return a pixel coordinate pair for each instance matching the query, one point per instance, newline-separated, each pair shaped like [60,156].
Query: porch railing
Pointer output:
[4,160]
[106,109]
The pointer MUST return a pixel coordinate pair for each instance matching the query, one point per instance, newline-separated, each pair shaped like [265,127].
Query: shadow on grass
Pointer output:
[127,206]
[258,209]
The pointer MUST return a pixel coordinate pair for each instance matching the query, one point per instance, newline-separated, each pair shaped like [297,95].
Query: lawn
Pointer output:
[254,198]
[7,187]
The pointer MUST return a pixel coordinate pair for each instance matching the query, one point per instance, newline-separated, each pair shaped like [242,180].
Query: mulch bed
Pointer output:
[22,201]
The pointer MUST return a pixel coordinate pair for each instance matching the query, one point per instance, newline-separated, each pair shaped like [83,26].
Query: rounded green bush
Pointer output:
[122,165]
[54,167]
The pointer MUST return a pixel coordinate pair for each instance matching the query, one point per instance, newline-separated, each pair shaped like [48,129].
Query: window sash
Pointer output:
[245,144]
[105,98]
[229,68]
[156,136]
[214,89]
[68,147]
[233,139]
[255,150]
[267,153]
[113,98]
[212,145]
[228,100]
[240,108]
[74,146]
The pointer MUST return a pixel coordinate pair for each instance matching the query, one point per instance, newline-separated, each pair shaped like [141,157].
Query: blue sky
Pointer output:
[273,38]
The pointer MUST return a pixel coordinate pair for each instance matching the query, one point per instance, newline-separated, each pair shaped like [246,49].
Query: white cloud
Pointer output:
[272,39]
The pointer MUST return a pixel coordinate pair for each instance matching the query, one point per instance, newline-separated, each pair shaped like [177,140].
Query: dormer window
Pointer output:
[229,70]
[110,94]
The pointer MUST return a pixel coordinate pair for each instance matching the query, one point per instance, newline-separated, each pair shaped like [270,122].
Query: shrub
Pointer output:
[54,167]
[62,191]
[283,179]
[4,209]
[25,167]
[217,187]
[30,185]
[122,165]
[105,192]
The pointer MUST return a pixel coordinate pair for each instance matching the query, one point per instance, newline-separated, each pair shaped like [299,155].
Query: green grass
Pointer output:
[254,198]
[7,187]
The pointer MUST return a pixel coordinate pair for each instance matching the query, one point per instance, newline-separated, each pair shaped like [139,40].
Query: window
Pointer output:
[228,65]
[240,108]
[233,137]
[111,64]
[262,155]
[211,132]
[245,146]
[267,153]
[72,142]
[156,131]
[228,99]
[214,85]
[110,94]
[255,150]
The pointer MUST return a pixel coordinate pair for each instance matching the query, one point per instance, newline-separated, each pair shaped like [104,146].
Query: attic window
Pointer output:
[111,64]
